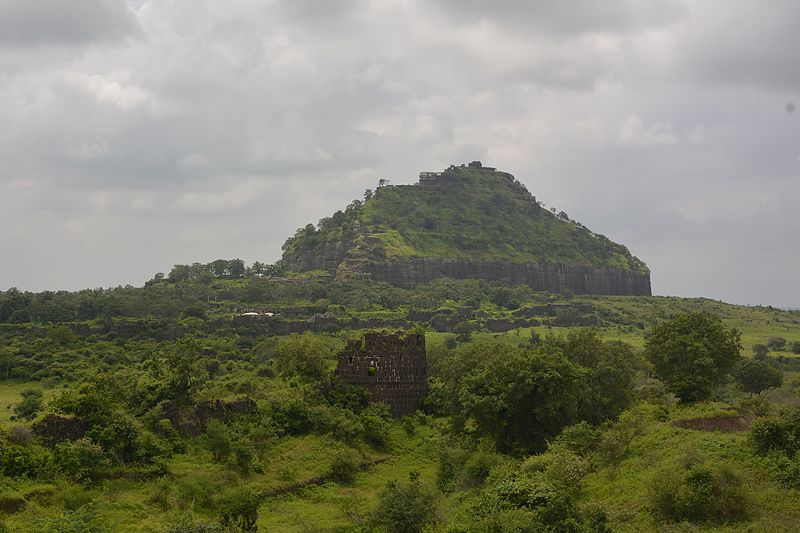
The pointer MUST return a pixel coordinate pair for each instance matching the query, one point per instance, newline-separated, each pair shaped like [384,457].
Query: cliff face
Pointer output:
[465,222]
[553,278]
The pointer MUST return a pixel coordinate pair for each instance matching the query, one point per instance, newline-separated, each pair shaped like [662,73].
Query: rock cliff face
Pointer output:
[553,278]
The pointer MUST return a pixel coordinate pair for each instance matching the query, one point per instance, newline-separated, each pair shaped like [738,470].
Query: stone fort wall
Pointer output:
[392,366]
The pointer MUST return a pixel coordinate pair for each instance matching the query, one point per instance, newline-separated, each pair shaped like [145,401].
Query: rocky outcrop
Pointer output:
[53,429]
[192,421]
[553,278]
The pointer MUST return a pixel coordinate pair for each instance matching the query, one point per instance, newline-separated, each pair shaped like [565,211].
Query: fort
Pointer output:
[392,366]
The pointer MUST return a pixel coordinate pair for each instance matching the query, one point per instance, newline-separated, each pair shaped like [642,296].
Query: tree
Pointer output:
[518,398]
[796,348]
[258,269]
[692,354]
[236,268]
[308,355]
[463,331]
[754,376]
[610,371]
[184,368]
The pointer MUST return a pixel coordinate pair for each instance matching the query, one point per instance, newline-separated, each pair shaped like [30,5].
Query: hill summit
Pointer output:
[468,221]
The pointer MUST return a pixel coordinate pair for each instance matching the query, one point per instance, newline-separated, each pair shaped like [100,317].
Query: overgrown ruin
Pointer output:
[392,366]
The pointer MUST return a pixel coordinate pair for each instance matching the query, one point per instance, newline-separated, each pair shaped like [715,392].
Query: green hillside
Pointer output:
[465,212]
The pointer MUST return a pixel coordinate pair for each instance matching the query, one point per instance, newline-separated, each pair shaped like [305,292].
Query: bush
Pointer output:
[699,494]
[30,405]
[82,461]
[199,489]
[478,466]
[345,465]
[773,434]
[218,440]
[405,507]
[376,425]
[239,510]
[796,348]
[24,461]
[776,344]
[540,495]
[451,461]
[760,351]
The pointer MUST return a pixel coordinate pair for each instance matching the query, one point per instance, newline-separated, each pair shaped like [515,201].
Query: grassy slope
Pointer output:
[482,215]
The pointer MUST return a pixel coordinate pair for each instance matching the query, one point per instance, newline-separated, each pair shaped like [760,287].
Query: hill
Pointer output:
[465,222]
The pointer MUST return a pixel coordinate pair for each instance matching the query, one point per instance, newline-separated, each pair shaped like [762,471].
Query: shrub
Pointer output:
[405,507]
[376,425]
[699,494]
[243,458]
[218,440]
[199,489]
[536,498]
[82,461]
[776,344]
[478,466]
[772,435]
[30,405]
[796,348]
[615,441]
[239,509]
[24,461]
[760,351]
[580,438]
[451,461]
[345,465]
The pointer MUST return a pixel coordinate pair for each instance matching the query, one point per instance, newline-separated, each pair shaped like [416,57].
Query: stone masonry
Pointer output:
[392,366]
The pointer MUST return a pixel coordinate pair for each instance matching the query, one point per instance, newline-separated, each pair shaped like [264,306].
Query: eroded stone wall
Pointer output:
[392,366]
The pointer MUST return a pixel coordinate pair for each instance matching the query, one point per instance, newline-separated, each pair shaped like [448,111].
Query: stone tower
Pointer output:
[392,366]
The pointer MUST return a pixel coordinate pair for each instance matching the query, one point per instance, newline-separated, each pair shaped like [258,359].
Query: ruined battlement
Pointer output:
[392,366]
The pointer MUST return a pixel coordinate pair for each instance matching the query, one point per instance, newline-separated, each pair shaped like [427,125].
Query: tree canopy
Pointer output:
[693,353]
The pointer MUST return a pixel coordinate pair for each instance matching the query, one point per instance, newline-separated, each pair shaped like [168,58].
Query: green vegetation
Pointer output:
[693,353]
[470,213]
[168,408]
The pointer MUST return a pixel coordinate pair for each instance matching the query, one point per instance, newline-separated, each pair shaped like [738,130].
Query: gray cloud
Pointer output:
[54,22]
[221,128]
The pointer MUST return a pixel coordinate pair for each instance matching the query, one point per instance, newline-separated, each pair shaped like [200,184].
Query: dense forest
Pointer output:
[206,400]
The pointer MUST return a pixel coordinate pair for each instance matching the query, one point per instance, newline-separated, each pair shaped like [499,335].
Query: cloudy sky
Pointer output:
[140,134]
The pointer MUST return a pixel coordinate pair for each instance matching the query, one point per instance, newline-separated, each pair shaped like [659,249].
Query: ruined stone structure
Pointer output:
[392,366]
